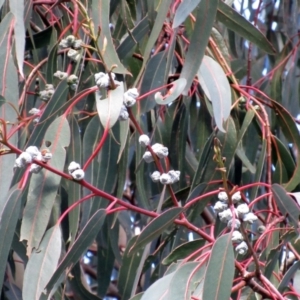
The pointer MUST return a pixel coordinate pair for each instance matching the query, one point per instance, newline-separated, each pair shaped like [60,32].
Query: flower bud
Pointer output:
[34,168]
[74,55]
[160,150]
[70,39]
[35,121]
[144,140]
[222,196]
[34,111]
[77,44]
[242,248]
[73,166]
[261,229]
[225,215]
[249,218]
[165,179]
[242,209]
[220,206]
[155,176]
[72,79]
[237,237]
[46,155]
[237,224]
[33,151]
[130,97]
[123,114]
[61,75]
[175,175]
[147,157]
[63,44]
[236,197]
[78,174]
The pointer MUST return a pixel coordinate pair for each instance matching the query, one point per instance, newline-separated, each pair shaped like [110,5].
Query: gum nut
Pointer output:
[34,168]
[133,93]
[165,179]
[222,196]
[236,237]
[33,151]
[26,157]
[73,166]
[225,215]
[236,197]
[249,218]
[175,175]
[78,174]
[144,140]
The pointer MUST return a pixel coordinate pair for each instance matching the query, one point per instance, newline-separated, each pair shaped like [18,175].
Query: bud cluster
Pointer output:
[71,41]
[75,171]
[242,213]
[46,94]
[31,153]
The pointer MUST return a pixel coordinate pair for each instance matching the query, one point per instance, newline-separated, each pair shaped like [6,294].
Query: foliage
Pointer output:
[149,149]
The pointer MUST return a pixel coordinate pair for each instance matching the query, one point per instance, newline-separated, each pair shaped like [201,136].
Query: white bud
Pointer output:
[34,111]
[249,217]
[147,157]
[160,150]
[78,174]
[19,163]
[45,95]
[34,168]
[132,93]
[49,87]
[225,215]
[63,43]
[242,209]
[222,196]
[70,39]
[99,75]
[237,237]
[77,44]
[73,166]
[123,113]
[61,75]
[33,151]
[236,197]
[46,156]
[26,157]
[261,229]
[72,79]
[175,175]
[73,86]
[237,224]
[165,179]
[242,248]
[74,55]
[35,121]
[102,80]
[220,206]
[130,97]
[155,176]
[144,140]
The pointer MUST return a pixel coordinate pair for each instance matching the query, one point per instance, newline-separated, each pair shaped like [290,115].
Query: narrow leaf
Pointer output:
[183,10]
[42,264]
[155,228]
[206,13]
[109,108]
[220,270]
[216,87]
[237,23]
[82,242]
[286,204]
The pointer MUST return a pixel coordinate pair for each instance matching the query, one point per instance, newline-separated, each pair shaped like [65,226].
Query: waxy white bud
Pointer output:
[77,44]
[242,209]
[175,175]
[34,168]
[155,176]
[61,75]
[74,55]
[220,206]
[130,97]
[78,174]
[236,197]
[222,196]
[237,224]
[242,248]
[73,166]
[34,111]
[72,79]
[225,215]
[160,150]
[249,218]
[123,114]
[237,237]
[144,140]
[165,179]
[33,151]
[147,157]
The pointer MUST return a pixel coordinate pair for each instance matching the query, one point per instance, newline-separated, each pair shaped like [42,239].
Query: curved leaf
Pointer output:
[237,23]
[183,10]
[109,108]
[220,270]
[82,242]
[174,92]
[286,204]
[216,87]
[43,186]
[155,228]
[42,264]
[206,13]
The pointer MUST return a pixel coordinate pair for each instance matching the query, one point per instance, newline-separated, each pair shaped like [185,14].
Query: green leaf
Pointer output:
[206,13]
[288,276]
[100,17]
[155,228]
[159,288]
[237,23]
[174,92]
[109,108]
[17,9]
[286,204]
[152,79]
[82,242]
[137,297]
[129,267]
[220,270]
[42,264]
[183,11]
[216,87]
[43,186]
[9,214]
[51,63]
[183,251]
